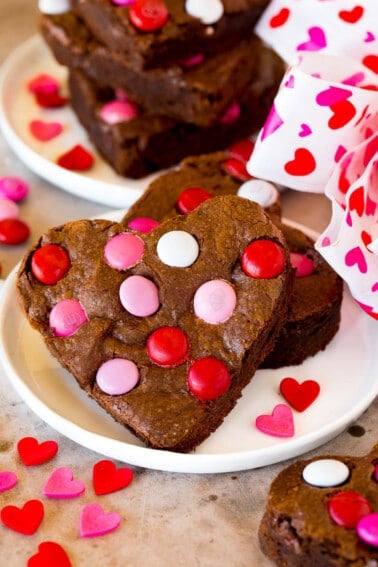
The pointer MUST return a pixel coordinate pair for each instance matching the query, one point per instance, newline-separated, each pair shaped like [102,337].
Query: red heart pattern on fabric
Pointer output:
[343,112]
[50,554]
[107,478]
[303,163]
[357,201]
[280,18]
[371,61]
[299,395]
[25,520]
[32,453]
[352,16]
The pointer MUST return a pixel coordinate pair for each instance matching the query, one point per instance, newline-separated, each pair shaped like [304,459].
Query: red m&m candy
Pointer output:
[208,378]
[263,259]
[236,168]
[148,15]
[168,347]
[50,263]
[191,198]
[346,508]
[13,231]
[242,149]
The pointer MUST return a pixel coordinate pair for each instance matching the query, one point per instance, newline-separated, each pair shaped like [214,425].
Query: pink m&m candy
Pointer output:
[168,347]
[367,529]
[8,209]
[232,114]
[117,111]
[145,225]
[214,301]
[139,296]
[66,317]
[303,265]
[13,188]
[208,378]
[117,376]
[123,250]
[263,259]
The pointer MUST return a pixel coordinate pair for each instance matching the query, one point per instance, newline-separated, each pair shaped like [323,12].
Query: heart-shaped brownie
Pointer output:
[163,330]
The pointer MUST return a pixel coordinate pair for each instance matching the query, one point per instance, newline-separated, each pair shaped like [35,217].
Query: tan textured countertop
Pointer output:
[168,519]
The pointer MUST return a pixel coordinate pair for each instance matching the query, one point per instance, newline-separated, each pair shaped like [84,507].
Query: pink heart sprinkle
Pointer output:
[304,131]
[45,131]
[316,42]
[279,424]
[332,96]
[8,480]
[61,484]
[94,522]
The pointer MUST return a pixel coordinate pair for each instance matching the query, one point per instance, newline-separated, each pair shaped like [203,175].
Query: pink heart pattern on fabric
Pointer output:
[316,40]
[95,522]
[355,257]
[279,424]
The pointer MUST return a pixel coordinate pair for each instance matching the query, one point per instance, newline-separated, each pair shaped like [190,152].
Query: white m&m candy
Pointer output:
[325,473]
[259,191]
[178,249]
[53,7]
[208,12]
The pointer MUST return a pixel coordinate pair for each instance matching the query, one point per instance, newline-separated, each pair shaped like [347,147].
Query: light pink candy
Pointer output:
[145,225]
[67,317]
[304,265]
[123,251]
[8,209]
[123,2]
[94,522]
[8,480]
[139,296]
[367,529]
[214,301]
[117,376]
[231,115]
[118,111]
[13,188]
[279,424]
[61,484]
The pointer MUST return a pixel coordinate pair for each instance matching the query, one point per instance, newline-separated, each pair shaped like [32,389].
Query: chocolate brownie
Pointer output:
[315,522]
[150,142]
[199,94]
[314,308]
[181,37]
[189,352]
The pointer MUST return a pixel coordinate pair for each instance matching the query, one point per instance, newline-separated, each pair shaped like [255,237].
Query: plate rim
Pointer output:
[162,460]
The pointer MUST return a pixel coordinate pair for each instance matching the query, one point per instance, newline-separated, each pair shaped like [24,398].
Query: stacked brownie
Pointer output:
[152,82]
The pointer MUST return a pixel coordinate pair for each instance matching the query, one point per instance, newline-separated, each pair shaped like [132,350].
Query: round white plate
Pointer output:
[17,108]
[347,372]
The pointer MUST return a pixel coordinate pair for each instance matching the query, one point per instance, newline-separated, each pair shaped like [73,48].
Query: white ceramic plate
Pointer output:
[347,372]
[17,108]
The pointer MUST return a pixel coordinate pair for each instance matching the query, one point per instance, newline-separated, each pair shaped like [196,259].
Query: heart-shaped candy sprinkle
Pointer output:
[50,100]
[326,473]
[13,188]
[45,131]
[346,508]
[208,378]
[61,484]
[31,452]
[208,12]
[43,83]
[279,424]
[76,159]
[367,529]
[50,263]
[117,376]
[300,396]
[50,554]
[95,522]
[25,520]
[8,480]
[148,15]
[108,478]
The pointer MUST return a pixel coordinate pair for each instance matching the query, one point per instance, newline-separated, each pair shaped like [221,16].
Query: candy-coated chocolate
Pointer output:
[215,301]
[123,2]
[303,265]
[208,378]
[367,529]
[242,149]
[13,188]
[347,507]
[53,7]
[148,15]
[208,12]
[13,231]
[177,248]
[66,317]
[236,168]
[259,191]
[326,473]
[231,114]
[143,224]
[8,209]
[50,263]
[117,376]
[263,259]
[139,296]
[123,250]
[168,347]
[117,111]
[190,198]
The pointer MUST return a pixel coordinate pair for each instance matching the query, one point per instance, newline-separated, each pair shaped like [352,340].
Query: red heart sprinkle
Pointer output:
[346,508]
[49,554]
[13,231]
[303,163]
[76,159]
[107,478]
[50,99]
[300,396]
[280,18]
[25,520]
[45,131]
[352,16]
[43,83]
[32,452]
